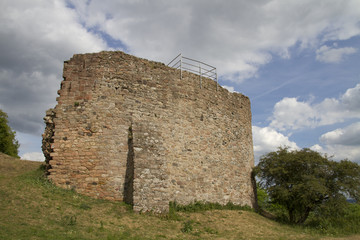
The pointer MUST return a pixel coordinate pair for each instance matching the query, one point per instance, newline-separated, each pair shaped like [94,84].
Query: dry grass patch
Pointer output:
[232,224]
[10,166]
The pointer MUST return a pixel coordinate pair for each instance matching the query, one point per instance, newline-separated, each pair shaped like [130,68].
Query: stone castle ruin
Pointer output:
[132,130]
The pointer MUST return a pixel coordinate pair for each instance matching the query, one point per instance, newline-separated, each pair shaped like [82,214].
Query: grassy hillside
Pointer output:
[32,208]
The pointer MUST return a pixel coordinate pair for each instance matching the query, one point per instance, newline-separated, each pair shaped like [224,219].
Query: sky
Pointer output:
[297,61]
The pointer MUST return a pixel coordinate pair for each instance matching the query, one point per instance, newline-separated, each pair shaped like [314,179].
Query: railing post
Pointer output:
[180,66]
[190,65]
[200,74]
[216,80]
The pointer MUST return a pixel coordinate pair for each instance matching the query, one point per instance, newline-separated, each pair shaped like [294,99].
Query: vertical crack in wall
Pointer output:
[129,175]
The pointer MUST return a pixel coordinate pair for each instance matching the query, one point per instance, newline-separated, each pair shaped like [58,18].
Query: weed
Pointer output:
[187,226]
[199,206]
[101,226]
[68,220]
[210,230]
[89,229]
[172,215]
[160,236]
[84,206]
[126,234]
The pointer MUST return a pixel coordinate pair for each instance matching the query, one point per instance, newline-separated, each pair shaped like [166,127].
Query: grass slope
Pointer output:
[32,208]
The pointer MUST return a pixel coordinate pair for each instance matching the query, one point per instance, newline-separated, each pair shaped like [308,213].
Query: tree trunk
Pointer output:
[304,216]
[291,216]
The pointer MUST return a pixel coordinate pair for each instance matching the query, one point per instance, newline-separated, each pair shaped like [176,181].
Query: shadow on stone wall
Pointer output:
[129,175]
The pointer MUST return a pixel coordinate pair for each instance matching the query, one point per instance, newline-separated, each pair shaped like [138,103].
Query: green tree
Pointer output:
[303,180]
[8,144]
[262,197]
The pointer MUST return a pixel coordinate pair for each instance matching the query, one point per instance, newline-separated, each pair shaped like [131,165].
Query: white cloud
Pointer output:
[235,36]
[267,140]
[317,148]
[36,38]
[291,114]
[342,143]
[340,152]
[348,136]
[333,55]
[351,99]
[238,37]
[22,101]
[43,34]
[229,88]
[33,156]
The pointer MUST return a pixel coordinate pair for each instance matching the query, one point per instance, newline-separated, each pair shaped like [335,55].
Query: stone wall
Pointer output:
[130,129]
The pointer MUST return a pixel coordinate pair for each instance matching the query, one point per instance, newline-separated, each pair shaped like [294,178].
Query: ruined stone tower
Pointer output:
[130,129]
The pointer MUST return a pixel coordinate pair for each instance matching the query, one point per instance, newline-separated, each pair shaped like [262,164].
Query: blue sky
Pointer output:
[308,80]
[298,61]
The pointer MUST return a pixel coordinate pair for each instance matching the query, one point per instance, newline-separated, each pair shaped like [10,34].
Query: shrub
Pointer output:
[8,144]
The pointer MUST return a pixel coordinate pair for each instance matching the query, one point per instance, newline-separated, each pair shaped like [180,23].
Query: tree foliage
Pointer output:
[8,144]
[303,180]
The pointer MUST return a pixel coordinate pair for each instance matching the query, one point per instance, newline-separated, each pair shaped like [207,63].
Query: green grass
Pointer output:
[33,208]
[199,206]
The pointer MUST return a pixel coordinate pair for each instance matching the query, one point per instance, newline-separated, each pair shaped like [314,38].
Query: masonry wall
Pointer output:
[130,129]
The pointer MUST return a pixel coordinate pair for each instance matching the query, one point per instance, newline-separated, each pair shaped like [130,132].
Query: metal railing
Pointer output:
[194,66]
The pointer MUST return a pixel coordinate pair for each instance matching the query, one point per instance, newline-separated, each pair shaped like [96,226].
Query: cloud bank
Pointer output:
[343,143]
[36,37]
[290,114]
[267,140]
[238,37]
[33,156]
[333,55]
